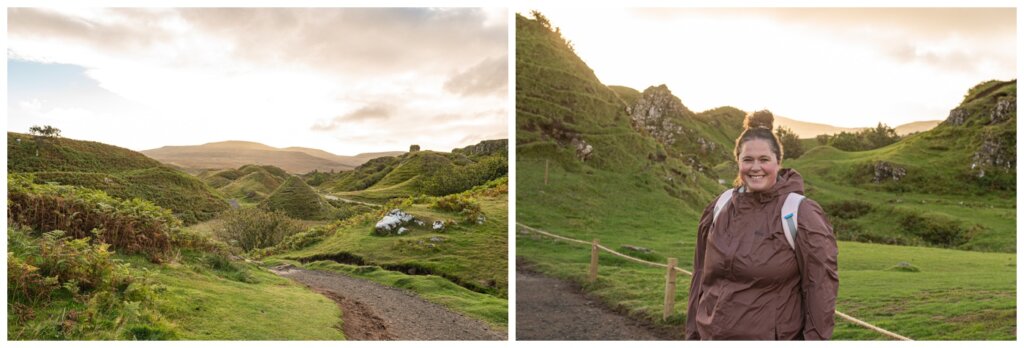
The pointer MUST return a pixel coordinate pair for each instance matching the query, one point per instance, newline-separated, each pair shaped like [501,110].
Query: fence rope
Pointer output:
[660,265]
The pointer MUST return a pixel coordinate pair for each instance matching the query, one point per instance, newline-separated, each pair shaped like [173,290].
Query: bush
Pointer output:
[462,204]
[847,209]
[791,146]
[253,228]
[132,225]
[936,230]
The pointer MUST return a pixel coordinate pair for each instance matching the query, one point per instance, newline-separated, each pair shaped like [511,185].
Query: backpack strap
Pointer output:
[789,217]
[723,200]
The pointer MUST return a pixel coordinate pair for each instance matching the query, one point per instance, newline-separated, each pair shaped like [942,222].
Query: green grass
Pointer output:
[203,305]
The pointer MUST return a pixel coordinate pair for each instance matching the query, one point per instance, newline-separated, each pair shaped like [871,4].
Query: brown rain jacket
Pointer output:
[747,282]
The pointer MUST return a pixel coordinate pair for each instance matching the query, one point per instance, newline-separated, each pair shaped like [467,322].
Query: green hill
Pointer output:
[635,168]
[298,200]
[119,172]
[249,183]
[418,172]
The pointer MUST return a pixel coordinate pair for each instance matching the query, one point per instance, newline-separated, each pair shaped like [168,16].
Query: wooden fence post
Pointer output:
[593,261]
[546,163]
[670,288]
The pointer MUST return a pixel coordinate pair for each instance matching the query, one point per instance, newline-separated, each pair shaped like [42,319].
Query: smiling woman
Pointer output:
[747,283]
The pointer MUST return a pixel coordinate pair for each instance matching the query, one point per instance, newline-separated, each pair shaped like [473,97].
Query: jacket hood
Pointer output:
[788,181]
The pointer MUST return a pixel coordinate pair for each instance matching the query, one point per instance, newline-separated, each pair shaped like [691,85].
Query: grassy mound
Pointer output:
[297,200]
[119,172]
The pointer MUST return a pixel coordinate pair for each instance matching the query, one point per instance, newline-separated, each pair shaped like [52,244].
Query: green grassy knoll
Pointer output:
[418,173]
[298,200]
[119,172]
[249,183]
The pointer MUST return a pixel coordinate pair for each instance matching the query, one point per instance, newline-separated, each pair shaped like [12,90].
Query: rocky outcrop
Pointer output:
[583,150]
[993,154]
[885,171]
[393,223]
[1004,108]
[486,147]
[654,113]
[957,117]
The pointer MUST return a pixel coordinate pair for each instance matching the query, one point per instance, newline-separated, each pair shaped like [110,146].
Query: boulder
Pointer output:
[887,171]
[1004,109]
[393,222]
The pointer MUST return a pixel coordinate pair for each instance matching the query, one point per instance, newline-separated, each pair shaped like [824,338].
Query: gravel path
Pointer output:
[553,309]
[377,312]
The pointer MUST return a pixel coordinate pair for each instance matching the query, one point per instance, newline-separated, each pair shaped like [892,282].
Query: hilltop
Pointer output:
[811,129]
[117,171]
[233,154]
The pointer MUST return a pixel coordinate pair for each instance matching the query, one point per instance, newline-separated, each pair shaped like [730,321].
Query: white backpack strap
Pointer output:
[789,217]
[723,200]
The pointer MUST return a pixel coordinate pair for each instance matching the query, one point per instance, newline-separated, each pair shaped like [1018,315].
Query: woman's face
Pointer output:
[759,167]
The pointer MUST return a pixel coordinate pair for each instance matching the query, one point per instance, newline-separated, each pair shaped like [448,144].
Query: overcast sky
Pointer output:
[343,80]
[844,67]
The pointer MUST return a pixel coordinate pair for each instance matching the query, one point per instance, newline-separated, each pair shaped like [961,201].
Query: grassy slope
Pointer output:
[475,254]
[622,203]
[119,172]
[204,306]
[297,200]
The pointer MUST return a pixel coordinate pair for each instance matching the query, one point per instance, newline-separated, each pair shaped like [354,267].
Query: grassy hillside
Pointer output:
[118,172]
[418,173]
[622,193]
[953,186]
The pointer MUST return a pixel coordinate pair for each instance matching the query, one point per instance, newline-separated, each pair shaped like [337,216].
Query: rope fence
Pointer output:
[670,277]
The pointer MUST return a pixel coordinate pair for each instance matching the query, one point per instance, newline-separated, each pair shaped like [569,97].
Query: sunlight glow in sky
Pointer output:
[346,81]
[843,67]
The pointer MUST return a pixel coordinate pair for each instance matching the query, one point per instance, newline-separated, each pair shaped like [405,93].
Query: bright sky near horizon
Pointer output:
[842,67]
[347,81]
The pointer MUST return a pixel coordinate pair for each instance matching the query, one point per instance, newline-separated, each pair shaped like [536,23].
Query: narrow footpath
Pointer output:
[554,309]
[371,311]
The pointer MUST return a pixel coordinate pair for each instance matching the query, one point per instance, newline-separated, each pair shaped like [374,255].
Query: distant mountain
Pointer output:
[810,130]
[234,154]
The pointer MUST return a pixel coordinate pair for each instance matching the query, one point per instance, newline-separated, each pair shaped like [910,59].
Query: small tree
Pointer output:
[790,142]
[44,131]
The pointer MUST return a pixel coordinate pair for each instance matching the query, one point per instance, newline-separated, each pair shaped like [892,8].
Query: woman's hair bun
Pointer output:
[759,119]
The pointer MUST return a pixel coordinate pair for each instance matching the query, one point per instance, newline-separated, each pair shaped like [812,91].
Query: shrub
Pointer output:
[132,225]
[848,209]
[103,295]
[936,229]
[462,204]
[252,228]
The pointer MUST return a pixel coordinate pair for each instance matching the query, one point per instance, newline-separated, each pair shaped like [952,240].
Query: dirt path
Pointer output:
[372,311]
[554,309]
